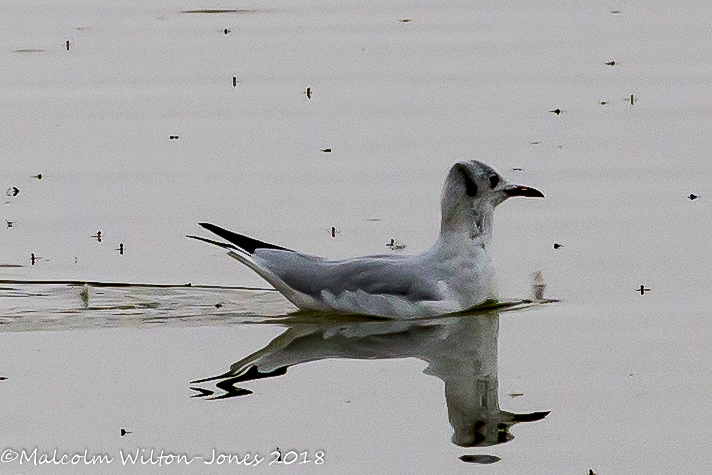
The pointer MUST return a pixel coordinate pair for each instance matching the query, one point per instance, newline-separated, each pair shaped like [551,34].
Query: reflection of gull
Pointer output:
[460,350]
[455,274]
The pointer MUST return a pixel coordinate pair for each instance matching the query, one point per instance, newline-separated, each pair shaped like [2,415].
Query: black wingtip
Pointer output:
[246,243]
[226,245]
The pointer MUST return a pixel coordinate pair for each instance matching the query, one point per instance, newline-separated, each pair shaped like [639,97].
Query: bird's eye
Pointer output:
[494,180]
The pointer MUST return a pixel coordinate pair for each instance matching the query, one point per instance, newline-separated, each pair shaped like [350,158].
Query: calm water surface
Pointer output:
[607,379]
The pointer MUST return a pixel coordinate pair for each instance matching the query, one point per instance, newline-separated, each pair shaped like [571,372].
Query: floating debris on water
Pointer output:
[396,245]
[538,285]
[209,10]
[84,295]
[692,197]
[513,395]
[557,245]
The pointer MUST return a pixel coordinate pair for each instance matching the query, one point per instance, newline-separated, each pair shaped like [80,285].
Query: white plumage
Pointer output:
[454,275]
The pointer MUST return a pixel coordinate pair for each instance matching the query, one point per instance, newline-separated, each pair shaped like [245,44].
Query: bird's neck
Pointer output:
[466,226]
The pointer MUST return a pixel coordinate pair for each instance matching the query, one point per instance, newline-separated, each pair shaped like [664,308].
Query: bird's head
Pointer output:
[472,190]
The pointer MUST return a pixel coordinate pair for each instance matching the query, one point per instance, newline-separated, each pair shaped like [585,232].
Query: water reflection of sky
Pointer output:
[397,103]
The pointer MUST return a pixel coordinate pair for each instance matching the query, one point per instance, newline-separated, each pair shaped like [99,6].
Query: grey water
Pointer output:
[624,378]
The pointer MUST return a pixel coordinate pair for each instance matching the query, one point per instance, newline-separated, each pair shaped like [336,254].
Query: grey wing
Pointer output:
[402,276]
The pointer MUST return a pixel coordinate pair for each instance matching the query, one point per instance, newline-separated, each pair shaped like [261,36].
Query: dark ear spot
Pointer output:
[494,181]
[470,185]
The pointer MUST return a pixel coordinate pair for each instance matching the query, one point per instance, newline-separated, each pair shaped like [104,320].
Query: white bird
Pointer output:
[455,274]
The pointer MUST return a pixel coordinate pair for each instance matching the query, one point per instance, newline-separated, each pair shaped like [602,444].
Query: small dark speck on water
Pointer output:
[326,150]
[125,432]
[517,169]
[556,111]
[642,289]
[692,197]
[226,31]
[611,63]
[603,103]
[67,45]
[218,305]
[404,20]
[308,93]
[557,245]
[208,10]
[234,81]
[174,137]
[188,284]
[38,176]
[3,378]
[483,459]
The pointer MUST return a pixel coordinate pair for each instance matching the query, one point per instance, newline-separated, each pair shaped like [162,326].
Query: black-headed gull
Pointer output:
[454,275]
